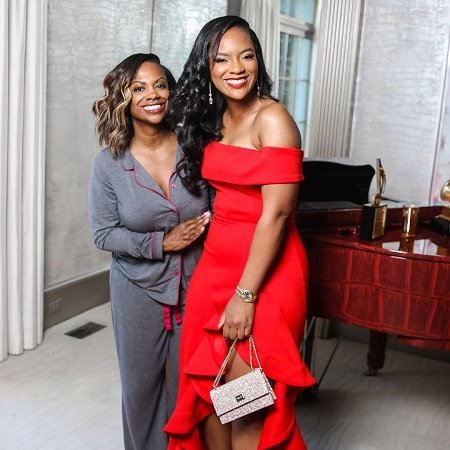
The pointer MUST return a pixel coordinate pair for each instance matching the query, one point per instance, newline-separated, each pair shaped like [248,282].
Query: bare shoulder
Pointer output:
[275,127]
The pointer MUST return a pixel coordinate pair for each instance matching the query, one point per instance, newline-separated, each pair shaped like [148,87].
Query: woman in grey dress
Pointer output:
[140,211]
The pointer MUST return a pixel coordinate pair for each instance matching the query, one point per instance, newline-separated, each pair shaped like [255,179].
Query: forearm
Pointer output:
[106,228]
[126,242]
[264,248]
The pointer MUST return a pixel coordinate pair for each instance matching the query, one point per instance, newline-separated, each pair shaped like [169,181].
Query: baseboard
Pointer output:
[63,302]
[359,334]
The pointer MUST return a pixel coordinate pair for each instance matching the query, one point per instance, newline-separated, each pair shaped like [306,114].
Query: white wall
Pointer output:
[176,26]
[399,91]
[86,39]
[442,165]
[396,116]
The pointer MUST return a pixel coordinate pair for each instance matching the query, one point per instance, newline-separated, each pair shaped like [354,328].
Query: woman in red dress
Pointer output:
[252,276]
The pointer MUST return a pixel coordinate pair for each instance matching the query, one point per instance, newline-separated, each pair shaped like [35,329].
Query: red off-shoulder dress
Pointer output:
[237,174]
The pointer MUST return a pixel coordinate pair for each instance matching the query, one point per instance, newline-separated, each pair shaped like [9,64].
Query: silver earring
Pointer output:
[258,92]
[210,94]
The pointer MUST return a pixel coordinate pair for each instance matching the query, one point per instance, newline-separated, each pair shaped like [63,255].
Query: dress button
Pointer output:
[173,185]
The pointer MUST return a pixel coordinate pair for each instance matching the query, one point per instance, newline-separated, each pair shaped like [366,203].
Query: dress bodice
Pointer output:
[237,174]
[240,165]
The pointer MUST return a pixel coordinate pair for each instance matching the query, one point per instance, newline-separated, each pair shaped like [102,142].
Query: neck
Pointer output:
[237,108]
[148,137]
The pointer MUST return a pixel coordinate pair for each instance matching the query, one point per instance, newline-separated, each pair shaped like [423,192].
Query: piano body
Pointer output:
[389,285]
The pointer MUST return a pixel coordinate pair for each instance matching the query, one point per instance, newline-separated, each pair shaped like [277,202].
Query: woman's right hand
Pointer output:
[237,319]
[182,235]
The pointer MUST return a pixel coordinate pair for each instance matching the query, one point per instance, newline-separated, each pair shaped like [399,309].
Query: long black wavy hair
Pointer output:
[202,122]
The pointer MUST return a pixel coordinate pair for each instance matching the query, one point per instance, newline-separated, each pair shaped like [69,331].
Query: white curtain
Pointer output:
[264,18]
[337,47]
[22,120]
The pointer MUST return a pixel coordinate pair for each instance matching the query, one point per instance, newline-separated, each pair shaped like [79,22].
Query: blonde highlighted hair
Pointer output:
[112,110]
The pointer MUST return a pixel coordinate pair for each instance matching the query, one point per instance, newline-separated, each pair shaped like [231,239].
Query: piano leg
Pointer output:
[306,349]
[308,342]
[377,352]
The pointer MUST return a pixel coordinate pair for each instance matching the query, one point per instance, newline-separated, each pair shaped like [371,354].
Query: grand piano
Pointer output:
[388,285]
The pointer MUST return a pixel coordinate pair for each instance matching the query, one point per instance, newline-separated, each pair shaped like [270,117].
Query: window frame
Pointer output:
[299,28]
[296,27]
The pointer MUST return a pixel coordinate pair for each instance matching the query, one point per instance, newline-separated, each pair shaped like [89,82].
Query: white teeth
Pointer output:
[240,81]
[152,107]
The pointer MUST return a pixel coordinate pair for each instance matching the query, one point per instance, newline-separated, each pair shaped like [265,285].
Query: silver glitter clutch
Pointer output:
[243,395]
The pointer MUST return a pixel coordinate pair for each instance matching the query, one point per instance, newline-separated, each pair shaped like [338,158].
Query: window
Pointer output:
[299,9]
[296,30]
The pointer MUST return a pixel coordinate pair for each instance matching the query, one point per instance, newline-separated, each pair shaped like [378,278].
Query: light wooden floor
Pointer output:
[65,396]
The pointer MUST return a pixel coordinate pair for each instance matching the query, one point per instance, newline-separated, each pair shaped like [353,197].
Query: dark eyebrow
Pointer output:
[242,51]
[156,81]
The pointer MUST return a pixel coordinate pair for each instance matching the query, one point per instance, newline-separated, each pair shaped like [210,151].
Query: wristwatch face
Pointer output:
[246,295]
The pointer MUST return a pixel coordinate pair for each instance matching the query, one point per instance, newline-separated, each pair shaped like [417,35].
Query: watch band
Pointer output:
[246,295]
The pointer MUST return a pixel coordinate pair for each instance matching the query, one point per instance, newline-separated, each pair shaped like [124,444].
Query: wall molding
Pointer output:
[79,278]
[70,298]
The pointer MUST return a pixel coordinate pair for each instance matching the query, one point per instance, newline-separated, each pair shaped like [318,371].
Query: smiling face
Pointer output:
[234,70]
[150,94]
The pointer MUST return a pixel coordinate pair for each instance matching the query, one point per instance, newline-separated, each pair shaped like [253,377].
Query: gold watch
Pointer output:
[246,295]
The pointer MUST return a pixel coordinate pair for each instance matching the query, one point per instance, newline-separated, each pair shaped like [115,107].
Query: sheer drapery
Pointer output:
[337,46]
[264,18]
[23,26]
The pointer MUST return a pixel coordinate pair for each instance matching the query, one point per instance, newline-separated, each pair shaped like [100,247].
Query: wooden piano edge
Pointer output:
[317,220]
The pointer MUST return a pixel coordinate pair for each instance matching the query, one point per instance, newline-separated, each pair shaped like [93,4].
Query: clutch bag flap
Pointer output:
[248,393]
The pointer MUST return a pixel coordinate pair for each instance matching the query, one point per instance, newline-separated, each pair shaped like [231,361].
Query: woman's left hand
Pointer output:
[237,319]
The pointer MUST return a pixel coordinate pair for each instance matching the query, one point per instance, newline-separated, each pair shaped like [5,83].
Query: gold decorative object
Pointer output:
[445,196]
[442,221]
[381,183]
[373,218]
[406,244]
[410,220]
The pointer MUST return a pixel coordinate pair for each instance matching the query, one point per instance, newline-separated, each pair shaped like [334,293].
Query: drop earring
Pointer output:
[258,92]
[210,94]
